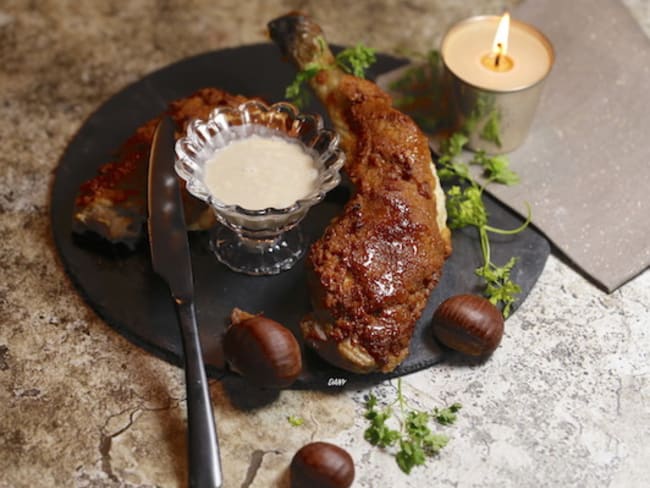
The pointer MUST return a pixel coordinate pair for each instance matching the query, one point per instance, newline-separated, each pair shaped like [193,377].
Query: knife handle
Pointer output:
[204,464]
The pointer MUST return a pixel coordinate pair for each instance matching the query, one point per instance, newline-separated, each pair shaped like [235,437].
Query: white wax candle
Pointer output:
[468,42]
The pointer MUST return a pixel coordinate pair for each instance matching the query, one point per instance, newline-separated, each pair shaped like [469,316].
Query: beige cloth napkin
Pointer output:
[585,166]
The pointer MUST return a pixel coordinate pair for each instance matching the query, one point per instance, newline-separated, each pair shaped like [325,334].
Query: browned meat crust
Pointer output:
[112,205]
[372,271]
[377,263]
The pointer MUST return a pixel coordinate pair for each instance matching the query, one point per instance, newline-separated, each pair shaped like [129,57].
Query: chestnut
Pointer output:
[468,323]
[262,350]
[321,465]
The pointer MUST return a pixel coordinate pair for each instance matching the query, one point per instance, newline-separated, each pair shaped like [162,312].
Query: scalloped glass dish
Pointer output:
[266,241]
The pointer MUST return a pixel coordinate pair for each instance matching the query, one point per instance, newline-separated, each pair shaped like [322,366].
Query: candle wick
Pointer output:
[497,59]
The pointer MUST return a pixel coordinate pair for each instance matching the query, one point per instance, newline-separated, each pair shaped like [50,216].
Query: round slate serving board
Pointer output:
[126,293]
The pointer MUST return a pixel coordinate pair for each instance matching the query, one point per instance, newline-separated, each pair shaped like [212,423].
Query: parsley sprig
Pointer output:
[353,60]
[413,438]
[356,60]
[296,92]
[465,207]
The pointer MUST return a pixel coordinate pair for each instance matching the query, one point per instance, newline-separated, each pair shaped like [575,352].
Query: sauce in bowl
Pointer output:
[259,172]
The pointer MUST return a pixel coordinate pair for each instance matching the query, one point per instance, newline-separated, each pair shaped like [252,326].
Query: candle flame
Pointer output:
[500,44]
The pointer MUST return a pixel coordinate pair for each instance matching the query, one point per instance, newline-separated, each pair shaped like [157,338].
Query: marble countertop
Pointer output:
[565,400]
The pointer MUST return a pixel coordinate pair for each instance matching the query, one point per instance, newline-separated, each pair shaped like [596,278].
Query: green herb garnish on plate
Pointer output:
[465,207]
[353,60]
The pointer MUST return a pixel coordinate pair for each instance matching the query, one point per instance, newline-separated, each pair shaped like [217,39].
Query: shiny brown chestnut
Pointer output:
[262,350]
[468,323]
[321,465]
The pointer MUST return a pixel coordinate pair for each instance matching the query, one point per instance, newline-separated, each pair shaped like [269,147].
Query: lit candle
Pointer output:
[497,65]
[520,55]
[498,59]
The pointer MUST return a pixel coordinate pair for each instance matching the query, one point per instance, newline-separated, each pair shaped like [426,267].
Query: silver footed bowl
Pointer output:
[266,241]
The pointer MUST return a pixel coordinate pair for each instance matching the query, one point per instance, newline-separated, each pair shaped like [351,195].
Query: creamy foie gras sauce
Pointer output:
[259,172]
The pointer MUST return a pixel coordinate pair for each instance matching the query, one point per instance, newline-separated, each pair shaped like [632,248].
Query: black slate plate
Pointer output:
[126,293]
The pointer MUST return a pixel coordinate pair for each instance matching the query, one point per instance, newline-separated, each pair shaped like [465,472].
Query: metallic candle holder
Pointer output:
[495,107]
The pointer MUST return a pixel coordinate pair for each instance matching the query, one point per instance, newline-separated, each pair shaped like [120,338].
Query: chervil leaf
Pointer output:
[409,456]
[500,288]
[465,207]
[295,92]
[495,168]
[454,145]
[416,424]
[433,443]
[492,128]
[356,60]
[379,434]
[453,170]
[447,415]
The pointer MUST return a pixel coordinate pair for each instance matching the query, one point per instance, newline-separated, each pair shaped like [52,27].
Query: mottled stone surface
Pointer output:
[563,402]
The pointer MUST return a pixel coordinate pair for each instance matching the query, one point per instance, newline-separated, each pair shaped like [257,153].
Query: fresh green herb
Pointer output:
[499,285]
[413,441]
[496,168]
[295,421]
[354,60]
[484,112]
[295,91]
[492,128]
[447,415]
[379,434]
[465,207]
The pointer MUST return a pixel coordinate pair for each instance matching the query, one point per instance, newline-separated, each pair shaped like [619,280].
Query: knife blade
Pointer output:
[170,257]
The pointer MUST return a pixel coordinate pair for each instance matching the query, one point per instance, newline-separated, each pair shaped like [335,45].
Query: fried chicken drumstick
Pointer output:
[376,264]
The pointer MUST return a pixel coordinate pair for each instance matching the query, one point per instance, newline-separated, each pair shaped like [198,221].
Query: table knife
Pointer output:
[170,256]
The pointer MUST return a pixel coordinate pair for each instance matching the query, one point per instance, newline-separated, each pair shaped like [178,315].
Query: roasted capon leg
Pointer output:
[376,264]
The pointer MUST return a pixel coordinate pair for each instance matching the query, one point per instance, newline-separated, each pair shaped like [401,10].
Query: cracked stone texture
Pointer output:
[565,401]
